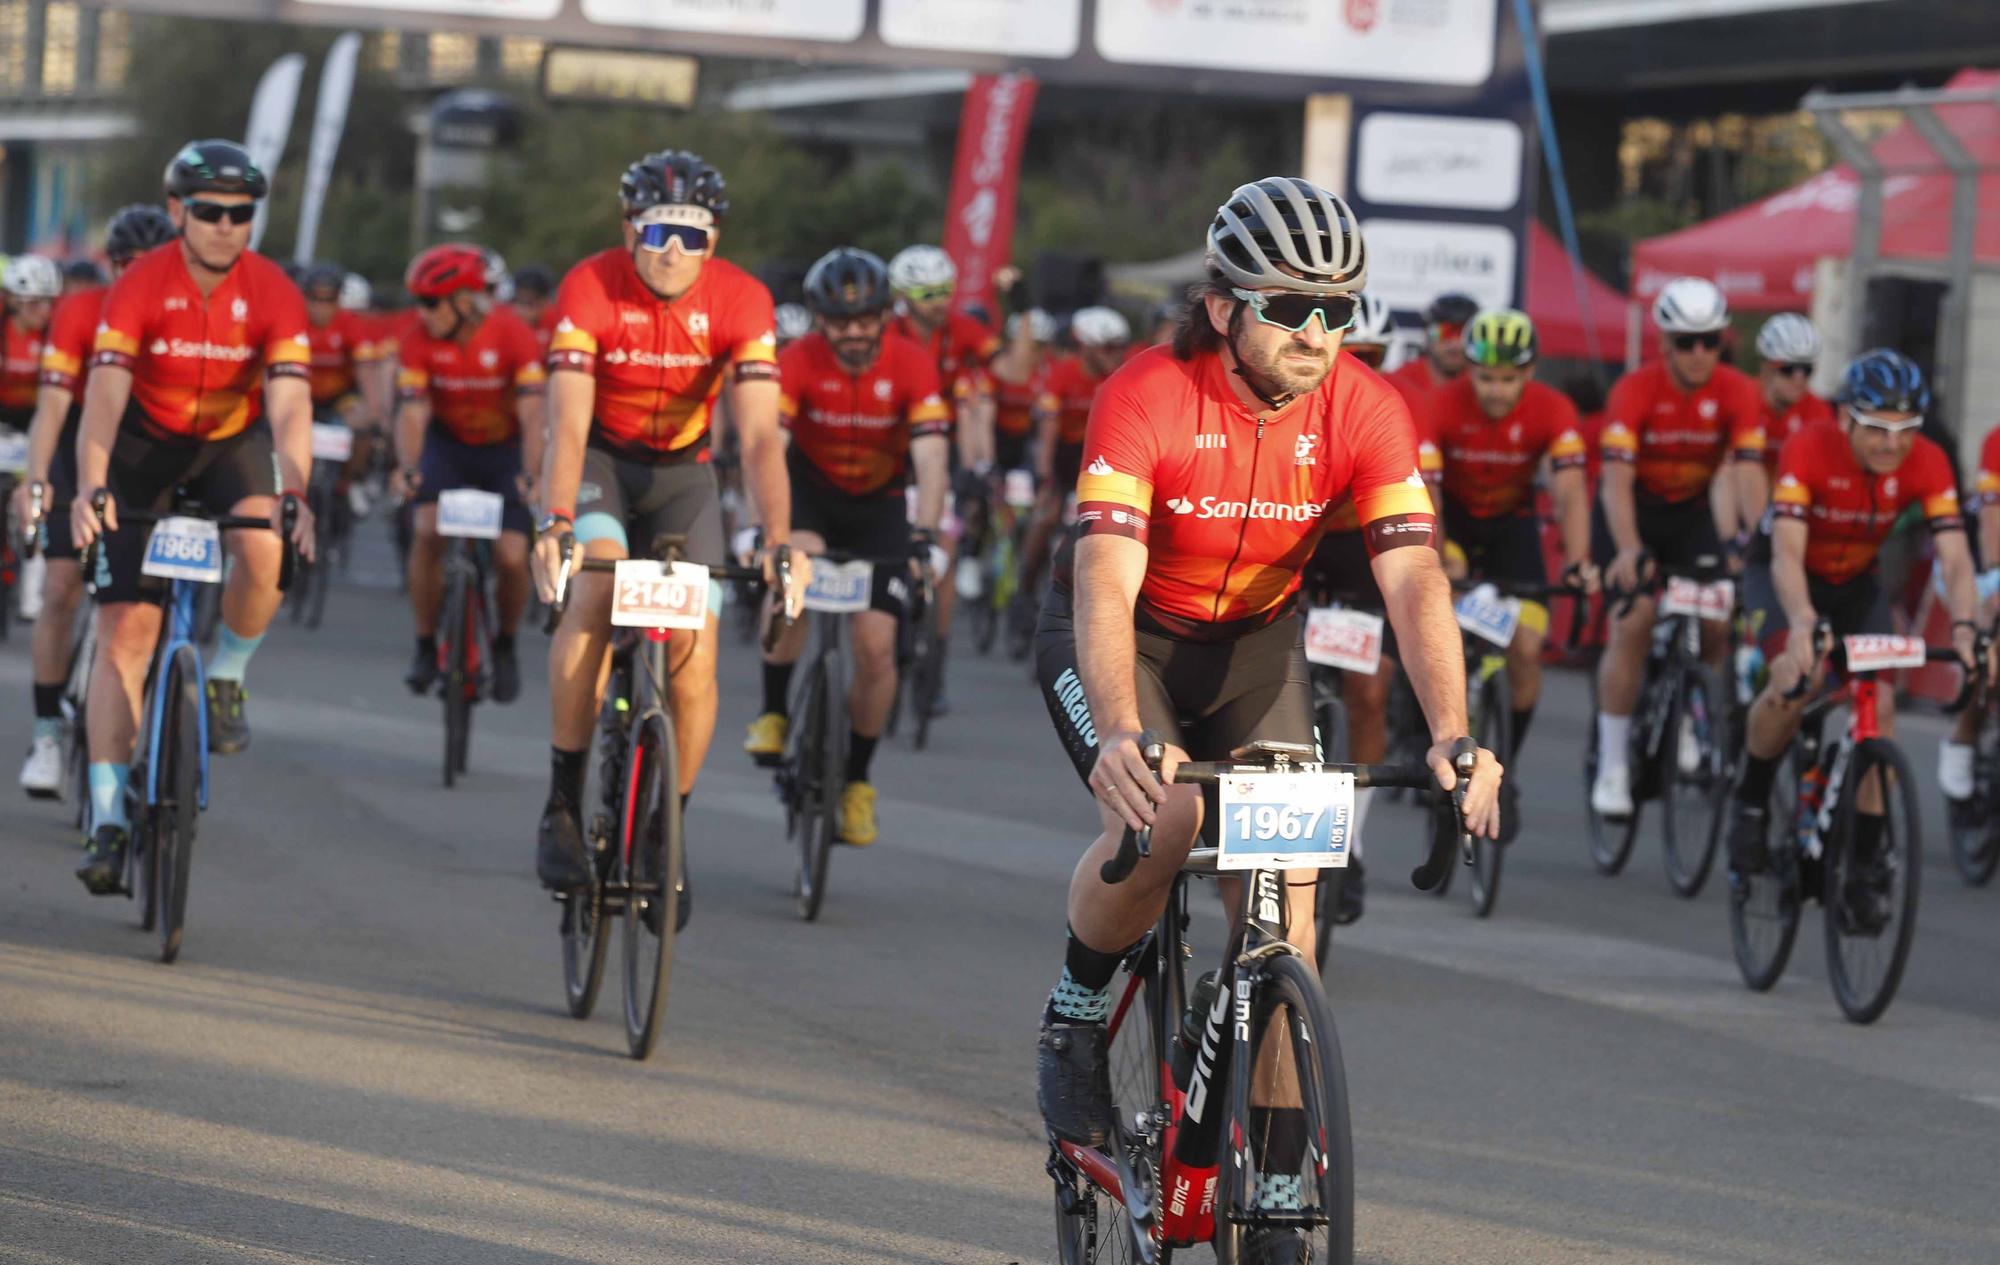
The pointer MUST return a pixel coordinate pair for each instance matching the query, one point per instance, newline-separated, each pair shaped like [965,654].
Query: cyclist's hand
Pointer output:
[1623,574]
[1585,576]
[1802,652]
[302,526]
[1965,640]
[403,483]
[794,595]
[1122,781]
[1482,799]
[83,524]
[545,560]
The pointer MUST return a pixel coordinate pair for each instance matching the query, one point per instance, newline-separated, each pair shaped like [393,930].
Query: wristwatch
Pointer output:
[549,521]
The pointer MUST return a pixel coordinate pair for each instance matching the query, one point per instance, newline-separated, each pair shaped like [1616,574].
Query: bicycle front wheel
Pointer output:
[649,864]
[1496,734]
[926,679]
[1611,840]
[456,681]
[1764,907]
[1695,780]
[1870,883]
[178,809]
[1330,715]
[814,775]
[1975,823]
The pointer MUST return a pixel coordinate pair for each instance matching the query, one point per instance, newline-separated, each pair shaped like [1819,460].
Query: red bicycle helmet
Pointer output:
[444,270]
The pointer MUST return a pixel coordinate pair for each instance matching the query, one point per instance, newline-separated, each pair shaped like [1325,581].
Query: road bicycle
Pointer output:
[1340,637]
[333,522]
[919,661]
[1682,749]
[637,837]
[76,680]
[989,568]
[469,520]
[1975,822]
[1191,1070]
[1867,894]
[168,787]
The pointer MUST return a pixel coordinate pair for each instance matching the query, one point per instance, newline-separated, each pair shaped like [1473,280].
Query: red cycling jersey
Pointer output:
[1068,387]
[198,364]
[1230,506]
[1811,410]
[1489,466]
[1417,382]
[855,429]
[72,329]
[20,367]
[472,386]
[659,365]
[1677,438]
[1014,402]
[956,347]
[1986,483]
[1430,462]
[1848,512]
[337,348]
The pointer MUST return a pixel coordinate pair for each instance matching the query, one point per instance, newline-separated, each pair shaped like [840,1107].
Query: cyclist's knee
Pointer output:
[511,551]
[874,644]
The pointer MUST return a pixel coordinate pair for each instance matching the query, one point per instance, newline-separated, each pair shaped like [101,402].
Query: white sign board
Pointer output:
[1410,41]
[1435,160]
[1020,28]
[1411,262]
[519,10]
[770,19]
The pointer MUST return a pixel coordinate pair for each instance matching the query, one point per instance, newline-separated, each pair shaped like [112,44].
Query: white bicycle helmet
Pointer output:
[32,277]
[920,268]
[1788,338]
[356,295]
[1041,326]
[1099,327]
[498,280]
[1690,305]
[1287,234]
[793,321]
[1373,326]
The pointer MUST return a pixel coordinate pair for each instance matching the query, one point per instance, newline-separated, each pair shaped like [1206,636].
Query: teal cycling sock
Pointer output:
[107,794]
[232,655]
[48,727]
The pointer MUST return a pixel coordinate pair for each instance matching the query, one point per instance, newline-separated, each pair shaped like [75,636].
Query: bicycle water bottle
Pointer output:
[1200,999]
[1749,667]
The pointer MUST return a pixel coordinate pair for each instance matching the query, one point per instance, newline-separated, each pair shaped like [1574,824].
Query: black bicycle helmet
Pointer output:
[83,272]
[1451,309]
[136,229]
[214,167]
[323,279]
[533,281]
[672,177]
[848,282]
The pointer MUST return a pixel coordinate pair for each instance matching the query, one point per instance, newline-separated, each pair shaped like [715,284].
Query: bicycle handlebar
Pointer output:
[288,517]
[669,548]
[1826,647]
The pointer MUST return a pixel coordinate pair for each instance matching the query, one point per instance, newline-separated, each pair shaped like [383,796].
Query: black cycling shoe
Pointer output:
[940,706]
[422,677]
[1274,1247]
[228,732]
[103,860]
[561,861]
[1353,894]
[1749,848]
[1867,895]
[506,675]
[1073,1082]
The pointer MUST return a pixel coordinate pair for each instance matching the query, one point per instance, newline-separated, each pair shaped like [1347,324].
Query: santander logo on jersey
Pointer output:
[1218,507]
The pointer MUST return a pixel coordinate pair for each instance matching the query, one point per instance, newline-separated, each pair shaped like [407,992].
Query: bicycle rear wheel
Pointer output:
[648,865]
[76,701]
[815,783]
[1696,780]
[178,810]
[1093,1227]
[1496,734]
[1291,1009]
[1764,907]
[1870,893]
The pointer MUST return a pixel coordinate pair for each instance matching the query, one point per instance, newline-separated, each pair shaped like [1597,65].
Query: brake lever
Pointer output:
[561,585]
[782,617]
[288,520]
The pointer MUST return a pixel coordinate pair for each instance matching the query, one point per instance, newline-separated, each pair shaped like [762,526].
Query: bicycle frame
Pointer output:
[176,630]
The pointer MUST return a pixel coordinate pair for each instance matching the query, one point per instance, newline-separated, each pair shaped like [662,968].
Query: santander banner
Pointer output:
[979,220]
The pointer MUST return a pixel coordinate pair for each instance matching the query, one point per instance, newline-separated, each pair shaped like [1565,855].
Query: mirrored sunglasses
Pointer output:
[658,237]
[928,294]
[1877,421]
[1291,311]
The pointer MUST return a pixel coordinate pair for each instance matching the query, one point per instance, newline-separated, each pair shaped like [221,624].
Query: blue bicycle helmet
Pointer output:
[1884,381]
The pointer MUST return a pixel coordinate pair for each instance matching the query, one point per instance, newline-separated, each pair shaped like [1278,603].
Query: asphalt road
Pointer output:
[363,1055]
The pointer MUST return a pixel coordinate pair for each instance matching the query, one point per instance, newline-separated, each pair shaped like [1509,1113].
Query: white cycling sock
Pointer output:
[1614,733]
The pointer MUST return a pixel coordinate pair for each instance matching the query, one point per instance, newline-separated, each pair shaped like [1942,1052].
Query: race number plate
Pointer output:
[184,549]
[647,593]
[1285,821]
[1703,601]
[332,443]
[840,588]
[1345,639]
[1484,613]
[13,453]
[1880,652]
[1019,489]
[470,513]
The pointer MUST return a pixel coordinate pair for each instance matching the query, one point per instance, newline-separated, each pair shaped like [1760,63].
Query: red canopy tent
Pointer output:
[1551,299]
[1762,255]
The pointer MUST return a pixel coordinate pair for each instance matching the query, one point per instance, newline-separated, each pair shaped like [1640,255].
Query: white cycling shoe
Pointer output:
[1611,793]
[42,772]
[1955,769]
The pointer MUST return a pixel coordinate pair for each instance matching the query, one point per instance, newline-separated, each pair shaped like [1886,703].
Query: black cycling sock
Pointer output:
[1523,717]
[503,643]
[1755,786]
[1083,992]
[566,775]
[860,753]
[777,688]
[48,701]
[1278,1139]
[1868,837]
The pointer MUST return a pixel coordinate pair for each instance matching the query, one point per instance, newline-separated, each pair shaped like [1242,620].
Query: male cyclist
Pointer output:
[134,230]
[1017,371]
[195,343]
[1955,751]
[30,286]
[469,415]
[534,301]
[863,409]
[1787,348]
[1497,428]
[647,335]
[1671,429]
[1444,352]
[1840,491]
[1178,602]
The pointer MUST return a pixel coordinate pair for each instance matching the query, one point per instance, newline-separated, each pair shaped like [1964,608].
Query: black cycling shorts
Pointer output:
[56,540]
[1854,607]
[1010,452]
[876,527]
[1676,535]
[1210,697]
[449,463]
[1340,572]
[634,503]
[143,474]
[1506,548]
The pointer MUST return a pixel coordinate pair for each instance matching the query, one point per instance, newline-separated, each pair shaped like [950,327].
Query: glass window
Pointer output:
[114,48]
[59,49]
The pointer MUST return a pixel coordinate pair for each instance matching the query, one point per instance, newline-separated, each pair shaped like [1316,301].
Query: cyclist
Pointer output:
[1671,429]
[534,296]
[348,387]
[1177,600]
[1497,428]
[1017,371]
[793,322]
[468,415]
[133,231]
[195,343]
[646,335]
[1787,348]
[1955,751]
[30,285]
[865,413]
[1840,491]
[1339,565]
[81,274]
[1444,351]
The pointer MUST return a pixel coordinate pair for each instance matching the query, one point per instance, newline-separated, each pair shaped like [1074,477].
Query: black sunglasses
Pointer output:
[429,301]
[1794,371]
[1688,342]
[239,213]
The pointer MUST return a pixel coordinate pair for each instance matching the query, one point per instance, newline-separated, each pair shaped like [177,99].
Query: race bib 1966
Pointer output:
[184,549]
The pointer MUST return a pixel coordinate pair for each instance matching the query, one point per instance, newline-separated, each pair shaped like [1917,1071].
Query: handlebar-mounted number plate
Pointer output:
[1715,601]
[184,549]
[648,593]
[13,453]
[1880,652]
[1350,640]
[1018,489]
[1485,614]
[470,513]
[331,442]
[1285,821]
[841,588]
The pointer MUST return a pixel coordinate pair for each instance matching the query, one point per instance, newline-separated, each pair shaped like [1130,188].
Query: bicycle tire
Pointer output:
[1330,715]
[1092,1227]
[928,680]
[1495,730]
[813,822]
[177,813]
[452,685]
[1320,1072]
[77,697]
[1764,908]
[648,865]
[1848,943]
[1611,841]
[1975,823]
[1689,852]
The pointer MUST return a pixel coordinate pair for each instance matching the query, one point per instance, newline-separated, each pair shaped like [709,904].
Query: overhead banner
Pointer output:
[336,89]
[1411,41]
[979,219]
[271,110]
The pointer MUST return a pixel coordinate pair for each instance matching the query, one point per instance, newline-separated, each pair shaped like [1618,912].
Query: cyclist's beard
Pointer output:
[856,354]
[1274,377]
[211,265]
